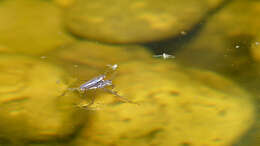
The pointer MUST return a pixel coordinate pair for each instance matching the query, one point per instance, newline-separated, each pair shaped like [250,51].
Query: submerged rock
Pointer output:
[177,106]
[98,55]
[64,3]
[4,49]
[226,41]
[31,26]
[131,21]
[85,59]
[255,49]
[31,106]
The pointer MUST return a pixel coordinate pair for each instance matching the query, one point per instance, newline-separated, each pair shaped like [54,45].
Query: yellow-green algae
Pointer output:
[176,108]
[31,26]
[131,21]
[31,106]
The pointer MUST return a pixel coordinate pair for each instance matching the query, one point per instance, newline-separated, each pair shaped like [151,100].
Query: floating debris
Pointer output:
[164,56]
[113,67]
[237,46]
[183,32]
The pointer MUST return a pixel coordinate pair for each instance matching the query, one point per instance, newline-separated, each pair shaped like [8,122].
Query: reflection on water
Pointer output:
[206,93]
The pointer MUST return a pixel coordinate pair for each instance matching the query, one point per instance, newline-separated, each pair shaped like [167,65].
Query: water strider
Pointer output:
[99,82]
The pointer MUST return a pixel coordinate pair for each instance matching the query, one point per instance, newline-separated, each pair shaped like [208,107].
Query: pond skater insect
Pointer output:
[99,82]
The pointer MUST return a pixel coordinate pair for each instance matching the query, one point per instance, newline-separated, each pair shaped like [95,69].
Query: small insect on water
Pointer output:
[164,56]
[99,82]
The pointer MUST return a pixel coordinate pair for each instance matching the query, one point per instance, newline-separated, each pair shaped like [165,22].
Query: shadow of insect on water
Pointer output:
[99,82]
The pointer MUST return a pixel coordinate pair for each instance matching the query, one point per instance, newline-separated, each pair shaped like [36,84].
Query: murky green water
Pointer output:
[188,72]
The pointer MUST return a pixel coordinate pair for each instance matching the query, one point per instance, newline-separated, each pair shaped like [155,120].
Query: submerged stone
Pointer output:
[177,106]
[31,26]
[227,42]
[32,108]
[98,55]
[131,21]
[255,49]
[64,3]
[85,59]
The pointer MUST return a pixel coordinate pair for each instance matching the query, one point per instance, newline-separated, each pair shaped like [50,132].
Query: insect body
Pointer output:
[97,82]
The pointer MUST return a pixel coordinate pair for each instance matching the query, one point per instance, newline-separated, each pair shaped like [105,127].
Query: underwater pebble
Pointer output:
[98,55]
[91,58]
[255,51]
[4,49]
[64,3]
[31,105]
[178,106]
[229,31]
[131,21]
[31,26]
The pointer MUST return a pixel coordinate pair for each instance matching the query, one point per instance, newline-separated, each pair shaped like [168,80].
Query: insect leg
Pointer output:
[67,90]
[91,101]
[112,86]
[64,93]
[120,97]
[87,106]
[111,71]
[113,75]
